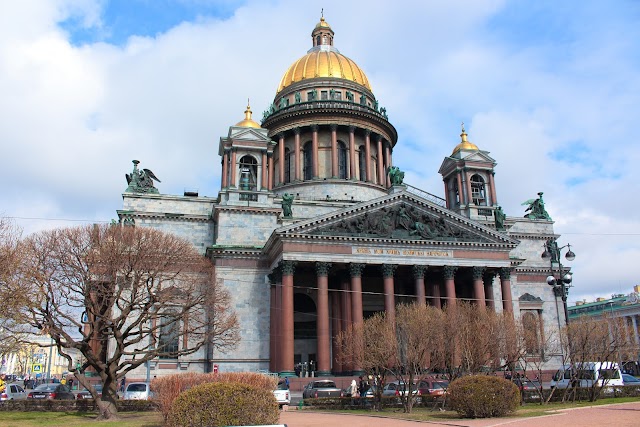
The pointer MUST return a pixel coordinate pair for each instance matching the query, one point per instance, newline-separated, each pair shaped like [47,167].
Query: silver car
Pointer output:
[137,391]
[13,392]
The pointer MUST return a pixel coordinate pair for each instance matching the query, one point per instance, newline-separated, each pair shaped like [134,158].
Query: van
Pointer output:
[137,391]
[587,373]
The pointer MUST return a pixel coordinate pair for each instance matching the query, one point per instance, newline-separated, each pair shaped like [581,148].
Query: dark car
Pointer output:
[321,388]
[528,388]
[630,380]
[53,391]
[432,387]
[86,394]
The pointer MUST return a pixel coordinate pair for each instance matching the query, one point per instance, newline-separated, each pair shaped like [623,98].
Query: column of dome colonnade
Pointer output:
[378,152]
[342,306]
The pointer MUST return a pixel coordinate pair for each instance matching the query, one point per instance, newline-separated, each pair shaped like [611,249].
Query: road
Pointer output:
[618,415]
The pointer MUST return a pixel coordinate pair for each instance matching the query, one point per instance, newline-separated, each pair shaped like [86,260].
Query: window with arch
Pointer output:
[248,173]
[287,165]
[342,160]
[307,169]
[168,337]
[478,190]
[362,163]
[531,327]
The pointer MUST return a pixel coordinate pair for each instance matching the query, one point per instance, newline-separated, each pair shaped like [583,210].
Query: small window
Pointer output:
[324,95]
[337,96]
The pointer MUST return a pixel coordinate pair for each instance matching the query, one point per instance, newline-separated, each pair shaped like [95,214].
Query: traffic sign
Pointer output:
[37,368]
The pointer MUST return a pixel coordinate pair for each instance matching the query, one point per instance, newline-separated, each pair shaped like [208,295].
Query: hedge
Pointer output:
[483,396]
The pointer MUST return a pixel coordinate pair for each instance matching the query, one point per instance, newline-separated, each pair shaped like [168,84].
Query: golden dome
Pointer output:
[248,122]
[323,60]
[323,24]
[464,145]
[324,63]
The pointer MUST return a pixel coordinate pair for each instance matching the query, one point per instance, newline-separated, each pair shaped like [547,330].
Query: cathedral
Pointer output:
[314,228]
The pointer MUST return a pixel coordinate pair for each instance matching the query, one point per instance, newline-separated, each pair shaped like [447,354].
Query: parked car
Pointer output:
[529,388]
[54,391]
[399,389]
[321,388]
[13,392]
[433,387]
[138,391]
[586,373]
[86,394]
[630,380]
[282,394]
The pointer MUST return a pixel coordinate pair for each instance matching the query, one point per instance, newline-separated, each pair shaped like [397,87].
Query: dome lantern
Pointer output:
[248,122]
[464,144]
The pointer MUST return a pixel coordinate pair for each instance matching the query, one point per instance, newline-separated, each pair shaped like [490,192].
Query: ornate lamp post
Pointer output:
[561,284]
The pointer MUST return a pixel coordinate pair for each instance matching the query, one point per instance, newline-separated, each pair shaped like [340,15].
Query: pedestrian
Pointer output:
[353,391]
[122,384]
[286,381]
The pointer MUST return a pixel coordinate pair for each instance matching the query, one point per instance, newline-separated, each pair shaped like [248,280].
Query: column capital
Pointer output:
[315,128]
[478,272]
[418,271]
[356,269]
[378,138]
[367,132]
[288,267]
[333,127]
[449,271]
[322,268]
[352,129]
[280,135]
[275,276]
[488,276]
[388,270]
[505,273]
[297,130]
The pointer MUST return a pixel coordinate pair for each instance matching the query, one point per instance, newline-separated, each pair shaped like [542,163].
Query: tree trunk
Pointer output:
[107,403]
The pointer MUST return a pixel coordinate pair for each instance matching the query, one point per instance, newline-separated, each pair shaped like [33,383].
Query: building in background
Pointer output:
[315,229]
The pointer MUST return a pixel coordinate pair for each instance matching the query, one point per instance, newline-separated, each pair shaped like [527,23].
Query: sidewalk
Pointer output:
[618,415]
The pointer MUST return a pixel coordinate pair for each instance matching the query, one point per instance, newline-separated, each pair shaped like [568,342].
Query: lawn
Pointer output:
[77,419]
[154,419]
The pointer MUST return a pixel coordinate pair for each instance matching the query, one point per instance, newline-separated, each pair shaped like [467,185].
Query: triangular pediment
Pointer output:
[401,216]
[250,134]
[477,157]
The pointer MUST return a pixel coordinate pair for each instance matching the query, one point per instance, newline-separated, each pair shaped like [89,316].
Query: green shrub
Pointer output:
[483,396]
[224,404]
[167,389]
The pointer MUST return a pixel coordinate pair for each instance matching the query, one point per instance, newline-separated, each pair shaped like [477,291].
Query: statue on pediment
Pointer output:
[499,217]
[536,209]
[141,181]
[287,201]
[396,176]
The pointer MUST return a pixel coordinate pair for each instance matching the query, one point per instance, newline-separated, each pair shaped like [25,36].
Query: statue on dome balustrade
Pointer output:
[499,217]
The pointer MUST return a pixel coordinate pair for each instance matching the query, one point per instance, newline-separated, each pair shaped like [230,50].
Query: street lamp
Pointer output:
[552,252]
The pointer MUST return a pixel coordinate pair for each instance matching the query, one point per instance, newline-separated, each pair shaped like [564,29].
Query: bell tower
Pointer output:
[469,186]
[246,154]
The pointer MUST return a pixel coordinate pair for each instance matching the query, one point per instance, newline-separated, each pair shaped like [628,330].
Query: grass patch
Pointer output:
[77,419]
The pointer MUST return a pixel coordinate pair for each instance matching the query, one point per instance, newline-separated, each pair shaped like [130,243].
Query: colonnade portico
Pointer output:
[338,288]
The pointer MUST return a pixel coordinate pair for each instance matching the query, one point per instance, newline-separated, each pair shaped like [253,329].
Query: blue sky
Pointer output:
[120,19]
[549,88]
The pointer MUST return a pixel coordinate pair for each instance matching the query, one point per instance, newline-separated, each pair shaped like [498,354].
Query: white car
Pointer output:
[137,391]
[13,392]
[282,394]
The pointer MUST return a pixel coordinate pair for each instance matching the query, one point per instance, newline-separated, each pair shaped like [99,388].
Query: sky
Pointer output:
[551,89]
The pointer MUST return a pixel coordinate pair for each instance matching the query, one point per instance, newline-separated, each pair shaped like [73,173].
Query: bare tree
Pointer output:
[370,345]
[597,343]
[121,296]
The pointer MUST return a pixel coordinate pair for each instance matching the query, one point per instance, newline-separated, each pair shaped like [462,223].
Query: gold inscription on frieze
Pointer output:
[401,252]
